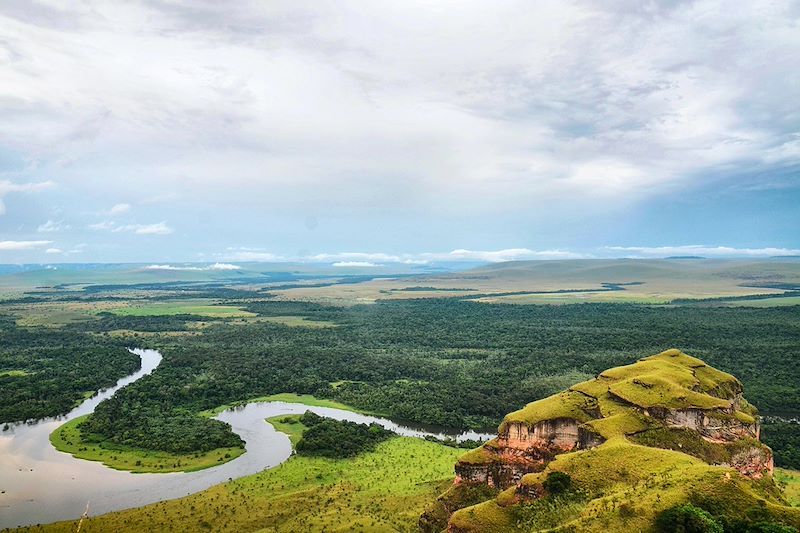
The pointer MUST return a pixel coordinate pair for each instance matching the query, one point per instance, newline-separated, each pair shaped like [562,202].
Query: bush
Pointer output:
[557,483]
[687,518]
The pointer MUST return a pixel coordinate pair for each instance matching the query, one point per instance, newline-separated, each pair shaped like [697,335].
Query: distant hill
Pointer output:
[665,437]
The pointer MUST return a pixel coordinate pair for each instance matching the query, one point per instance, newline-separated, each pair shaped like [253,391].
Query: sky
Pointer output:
[376,132]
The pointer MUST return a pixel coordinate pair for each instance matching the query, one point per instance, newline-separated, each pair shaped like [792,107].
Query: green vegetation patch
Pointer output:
[674,380]
[624,486]
[656,391]
[216,311]
[690,442]
[67,438]
[383,490]
[568,404]
[13,373]
[297,321]
[288,397]
[338,439]
[290,425]
[789,482]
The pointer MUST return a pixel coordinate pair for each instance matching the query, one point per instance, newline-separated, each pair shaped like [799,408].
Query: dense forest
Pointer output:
[43,371]
[445,362]
[338,439]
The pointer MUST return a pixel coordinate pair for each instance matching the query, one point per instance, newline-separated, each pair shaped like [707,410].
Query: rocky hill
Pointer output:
[667,434]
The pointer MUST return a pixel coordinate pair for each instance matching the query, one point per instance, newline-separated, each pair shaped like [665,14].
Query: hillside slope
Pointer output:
[633,442]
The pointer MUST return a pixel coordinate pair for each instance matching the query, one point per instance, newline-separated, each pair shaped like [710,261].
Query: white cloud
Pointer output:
[701,250]
[354,256]
[54,251]
[52,226]
[371,259]
[215,266]
[22,245]
[118,209]
[356,264]
[105,225]
[224,266]
[253,255]
[7,187]
[159,228]
[521,100]
[511,254]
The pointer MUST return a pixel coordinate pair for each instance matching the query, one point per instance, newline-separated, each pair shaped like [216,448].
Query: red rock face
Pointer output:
[754,462]
[520,450]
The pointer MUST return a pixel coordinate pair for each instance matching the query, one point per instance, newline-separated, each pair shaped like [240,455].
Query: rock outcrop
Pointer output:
[669,401]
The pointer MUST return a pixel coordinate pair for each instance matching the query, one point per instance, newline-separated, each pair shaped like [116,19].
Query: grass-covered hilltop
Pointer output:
[665,444]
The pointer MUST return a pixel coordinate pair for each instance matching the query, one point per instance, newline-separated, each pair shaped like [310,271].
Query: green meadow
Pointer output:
[789,481]
[383,490]
[216,311]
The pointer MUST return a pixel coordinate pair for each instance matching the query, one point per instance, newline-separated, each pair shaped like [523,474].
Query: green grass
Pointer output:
[290,425]
[567,404]
[296,321]
[383,490]
[625,486]
[621,484]
[67,438]
[789,481]
[766,302]
[14,373]
[288,397]
[215,311]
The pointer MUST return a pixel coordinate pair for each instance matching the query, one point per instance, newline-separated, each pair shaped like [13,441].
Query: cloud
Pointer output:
[118,209]
[159,228]
[521,99]
[375,259]
[22,245]
[354,256]
[701,250]
[253,255]
[511,254]
[52,226]
[105,225]
[54,251]
[215,266]
[7,187]
[401,126]
[356,264]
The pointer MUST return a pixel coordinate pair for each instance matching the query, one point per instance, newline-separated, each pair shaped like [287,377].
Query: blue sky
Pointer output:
[376,132]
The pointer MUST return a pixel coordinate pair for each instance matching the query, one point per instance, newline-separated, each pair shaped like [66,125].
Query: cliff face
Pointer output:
[669,401]
[520,449]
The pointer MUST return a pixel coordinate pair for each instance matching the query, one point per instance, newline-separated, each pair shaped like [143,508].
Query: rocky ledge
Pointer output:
[669,401]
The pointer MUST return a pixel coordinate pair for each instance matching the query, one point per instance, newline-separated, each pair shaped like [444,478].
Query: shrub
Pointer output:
[557,483]
[687,518]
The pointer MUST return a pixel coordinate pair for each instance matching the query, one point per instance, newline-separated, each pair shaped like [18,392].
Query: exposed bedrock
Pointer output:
[519,450]
[718,425]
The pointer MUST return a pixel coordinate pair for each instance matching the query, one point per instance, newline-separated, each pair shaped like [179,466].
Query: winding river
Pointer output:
[39,484]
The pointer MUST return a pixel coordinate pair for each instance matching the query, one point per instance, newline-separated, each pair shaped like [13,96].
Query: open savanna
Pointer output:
[382,490]
[789,481]
[195,307]
[652,281]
